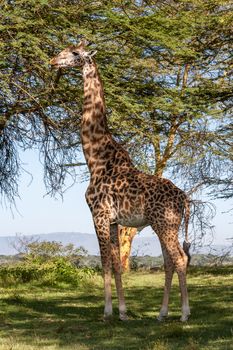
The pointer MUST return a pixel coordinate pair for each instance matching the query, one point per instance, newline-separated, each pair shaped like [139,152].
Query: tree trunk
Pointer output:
[126,235]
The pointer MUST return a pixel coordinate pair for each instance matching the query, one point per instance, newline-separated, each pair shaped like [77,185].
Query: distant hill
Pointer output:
[142,245]
[150,246]
[88,241]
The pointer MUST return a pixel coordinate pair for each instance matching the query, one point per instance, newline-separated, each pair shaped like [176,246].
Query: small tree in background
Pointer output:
[31,249]
[48,263]
[45,250]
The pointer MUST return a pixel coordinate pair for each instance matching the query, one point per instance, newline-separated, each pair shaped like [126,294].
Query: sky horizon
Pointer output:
[38,213]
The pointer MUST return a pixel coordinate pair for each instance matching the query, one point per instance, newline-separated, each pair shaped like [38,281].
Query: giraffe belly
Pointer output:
[133,221]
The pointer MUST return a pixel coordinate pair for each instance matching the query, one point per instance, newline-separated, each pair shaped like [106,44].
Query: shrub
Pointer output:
[18,273]
[49,272]
[46,262]
[62,270]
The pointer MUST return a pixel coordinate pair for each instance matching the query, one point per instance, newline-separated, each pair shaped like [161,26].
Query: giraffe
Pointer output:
[120,194]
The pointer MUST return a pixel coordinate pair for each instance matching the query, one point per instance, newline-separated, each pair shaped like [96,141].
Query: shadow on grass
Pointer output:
[75,319]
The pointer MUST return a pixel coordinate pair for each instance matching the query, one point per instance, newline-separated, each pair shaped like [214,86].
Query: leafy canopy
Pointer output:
[167,72]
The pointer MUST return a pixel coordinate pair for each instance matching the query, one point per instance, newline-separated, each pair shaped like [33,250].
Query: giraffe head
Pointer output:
[73,56]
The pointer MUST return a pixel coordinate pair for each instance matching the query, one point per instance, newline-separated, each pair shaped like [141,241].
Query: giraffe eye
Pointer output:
[75,53]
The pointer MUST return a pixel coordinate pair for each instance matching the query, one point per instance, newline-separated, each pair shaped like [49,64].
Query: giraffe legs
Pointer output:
[115,253]
[174,258]
[169,271]
[110,257]
[107,294]
[102,231]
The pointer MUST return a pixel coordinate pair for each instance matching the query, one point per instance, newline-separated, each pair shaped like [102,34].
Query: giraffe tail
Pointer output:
[186,243]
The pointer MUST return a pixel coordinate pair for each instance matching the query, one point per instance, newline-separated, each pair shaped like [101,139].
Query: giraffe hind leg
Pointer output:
[169,239]
[181,271]
[169,271]
[116,261]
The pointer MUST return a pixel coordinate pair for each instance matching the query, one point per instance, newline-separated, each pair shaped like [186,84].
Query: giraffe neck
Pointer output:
[94,130]
[94,113]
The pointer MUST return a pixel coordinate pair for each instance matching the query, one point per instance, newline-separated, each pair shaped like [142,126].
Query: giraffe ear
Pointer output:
[92,53]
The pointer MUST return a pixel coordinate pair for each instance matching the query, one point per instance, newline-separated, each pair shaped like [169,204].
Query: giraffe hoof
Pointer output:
[184,318]
[107,317]
[123,317]
[185,314]
[162,315]
[161,318]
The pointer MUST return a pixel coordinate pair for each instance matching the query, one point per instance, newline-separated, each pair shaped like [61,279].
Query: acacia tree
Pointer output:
[166,68]
[31,116]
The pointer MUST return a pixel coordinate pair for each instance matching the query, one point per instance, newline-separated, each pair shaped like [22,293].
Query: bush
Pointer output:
[61,270]
[18,273]
[50,272]
[46,262]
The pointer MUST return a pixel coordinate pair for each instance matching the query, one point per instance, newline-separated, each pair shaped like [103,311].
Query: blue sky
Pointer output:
[37,213]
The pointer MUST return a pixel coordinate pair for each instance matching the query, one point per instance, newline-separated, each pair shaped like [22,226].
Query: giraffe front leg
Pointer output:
[107,294]
[102,228]
[115,253]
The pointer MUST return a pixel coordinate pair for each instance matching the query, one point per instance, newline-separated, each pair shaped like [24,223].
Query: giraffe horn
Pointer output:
[83,42]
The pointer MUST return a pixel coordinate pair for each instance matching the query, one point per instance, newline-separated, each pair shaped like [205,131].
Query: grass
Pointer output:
[38,318]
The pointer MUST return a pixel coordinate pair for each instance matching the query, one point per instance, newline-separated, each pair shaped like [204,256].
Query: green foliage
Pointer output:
[167,73]
[48,263]
[50,272]
[18,273]
[46,250]
[60,270]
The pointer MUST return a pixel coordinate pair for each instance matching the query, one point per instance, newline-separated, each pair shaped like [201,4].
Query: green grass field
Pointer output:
[36,318]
